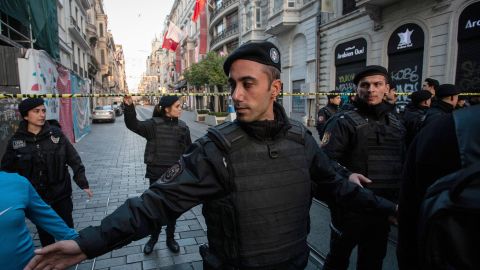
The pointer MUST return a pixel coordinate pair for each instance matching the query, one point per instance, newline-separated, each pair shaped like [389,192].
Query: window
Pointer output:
[102,57]
[349,6]
[61,17]
[231,20]
[291,3]
[219,28]
[277,5]
[100,26]
[298,102]
[258,17]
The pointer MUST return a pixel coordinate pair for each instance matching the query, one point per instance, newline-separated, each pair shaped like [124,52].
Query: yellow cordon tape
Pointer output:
[3,95]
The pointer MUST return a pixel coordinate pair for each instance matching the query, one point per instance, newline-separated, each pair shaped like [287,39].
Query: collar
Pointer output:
[269,129]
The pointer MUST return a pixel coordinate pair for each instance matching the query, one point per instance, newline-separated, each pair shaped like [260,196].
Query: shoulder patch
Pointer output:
[54,139]
[325,138]
[17,144]
[171,173]
[321,118]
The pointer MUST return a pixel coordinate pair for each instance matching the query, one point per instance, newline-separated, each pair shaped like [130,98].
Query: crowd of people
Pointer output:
[256,176]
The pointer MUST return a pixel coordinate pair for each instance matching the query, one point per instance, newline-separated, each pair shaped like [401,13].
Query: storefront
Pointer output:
[405,58]
[468,59]
[350,57]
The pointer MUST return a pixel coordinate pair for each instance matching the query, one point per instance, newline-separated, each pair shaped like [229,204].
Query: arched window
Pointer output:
[405,59]
[467,77]
[350,57]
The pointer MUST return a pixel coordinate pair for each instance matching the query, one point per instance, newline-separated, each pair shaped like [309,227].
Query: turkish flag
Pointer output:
[168,43]
[199,6]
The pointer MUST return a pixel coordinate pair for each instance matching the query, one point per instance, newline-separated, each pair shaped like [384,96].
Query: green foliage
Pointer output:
[207,71]
[202,111]
[218,114]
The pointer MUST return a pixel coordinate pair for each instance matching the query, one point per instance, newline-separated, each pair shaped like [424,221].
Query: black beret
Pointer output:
[333,94]
[167,101]
[446,90]
[419,96]
[261,52]
[369,71]
[28,104]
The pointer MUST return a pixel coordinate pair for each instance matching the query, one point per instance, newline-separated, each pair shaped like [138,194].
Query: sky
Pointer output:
[134,25]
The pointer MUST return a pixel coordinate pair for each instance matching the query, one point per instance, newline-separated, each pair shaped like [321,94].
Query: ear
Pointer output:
[276,88]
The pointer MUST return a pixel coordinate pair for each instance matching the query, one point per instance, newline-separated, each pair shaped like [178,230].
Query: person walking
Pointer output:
[19,200]
[253,176]
[369,140]
[41,153]
[167,138]
[326,112]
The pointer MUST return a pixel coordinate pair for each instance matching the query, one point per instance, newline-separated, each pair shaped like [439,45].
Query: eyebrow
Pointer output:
[244,78]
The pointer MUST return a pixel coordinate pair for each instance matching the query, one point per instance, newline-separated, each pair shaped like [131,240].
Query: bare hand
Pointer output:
[128,100]
[60,255]
[394,219]
[89,192]
[359,179]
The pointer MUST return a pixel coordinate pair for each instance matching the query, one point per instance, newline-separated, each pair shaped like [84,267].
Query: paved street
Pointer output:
[113,157]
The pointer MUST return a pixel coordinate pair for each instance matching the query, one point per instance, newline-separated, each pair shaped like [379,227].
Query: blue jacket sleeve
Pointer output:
[44,216]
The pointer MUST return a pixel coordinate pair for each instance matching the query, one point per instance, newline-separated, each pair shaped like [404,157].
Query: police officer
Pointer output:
[254,177]
[430,85]
[167,138]
[326,112]
[40,152]
[415,113]
[450,142]
[447,97]
[366,140]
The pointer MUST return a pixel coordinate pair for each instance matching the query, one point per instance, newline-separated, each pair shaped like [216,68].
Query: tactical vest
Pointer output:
[378,151]
[168,144]
[263,219]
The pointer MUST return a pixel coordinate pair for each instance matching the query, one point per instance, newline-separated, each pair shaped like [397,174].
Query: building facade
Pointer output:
[413,39]
[77,25]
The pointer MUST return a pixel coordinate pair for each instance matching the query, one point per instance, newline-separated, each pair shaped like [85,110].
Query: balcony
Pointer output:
[225,7]
[282,19]
[224,36]
[379,3]
[78,34]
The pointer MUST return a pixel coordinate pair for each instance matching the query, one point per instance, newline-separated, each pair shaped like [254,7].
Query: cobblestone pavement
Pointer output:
[113,157]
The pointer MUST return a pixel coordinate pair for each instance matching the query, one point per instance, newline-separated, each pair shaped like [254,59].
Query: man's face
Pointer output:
[36,116]
[429,88]
[252,93]
[391,96]
[336,100]
[372,89]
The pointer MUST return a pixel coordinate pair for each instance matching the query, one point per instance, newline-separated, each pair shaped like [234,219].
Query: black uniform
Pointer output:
[254,181]
[437,109]
[432,155]
[167,139]
[322,117]
[43,160]
[367,140]
[413,120]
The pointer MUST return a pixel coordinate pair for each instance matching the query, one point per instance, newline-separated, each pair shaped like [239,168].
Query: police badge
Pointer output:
[55,140]
[274,55]
[171,173]
[17,144]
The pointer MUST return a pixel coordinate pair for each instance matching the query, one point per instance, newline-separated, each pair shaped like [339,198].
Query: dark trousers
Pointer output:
[170,231]
[64,209]
[371,236]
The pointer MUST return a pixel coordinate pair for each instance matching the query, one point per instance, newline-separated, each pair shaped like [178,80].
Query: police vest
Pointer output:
[263,219]
[168,144]
[378,150]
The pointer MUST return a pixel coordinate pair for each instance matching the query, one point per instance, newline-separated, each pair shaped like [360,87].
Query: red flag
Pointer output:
[168,43]
[199,6]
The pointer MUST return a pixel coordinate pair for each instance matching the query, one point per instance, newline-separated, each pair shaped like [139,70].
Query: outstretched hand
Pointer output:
[60,255]
[359,179]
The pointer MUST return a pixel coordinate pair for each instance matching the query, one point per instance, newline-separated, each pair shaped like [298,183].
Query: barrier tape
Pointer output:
[152,94]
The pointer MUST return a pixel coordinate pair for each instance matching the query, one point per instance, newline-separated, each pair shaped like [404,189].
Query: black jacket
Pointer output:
[322,117]
[413,119]
[438,108]
[433,153]
[43,160]
[146,129]
[200,176]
